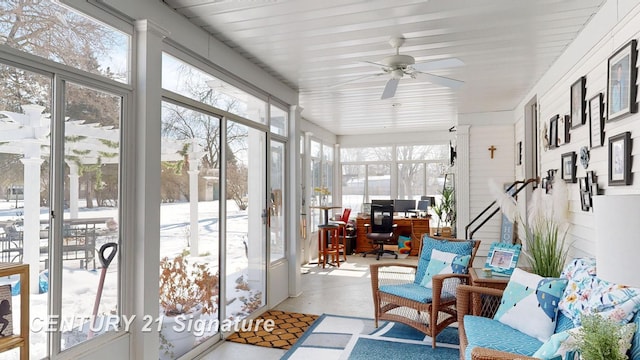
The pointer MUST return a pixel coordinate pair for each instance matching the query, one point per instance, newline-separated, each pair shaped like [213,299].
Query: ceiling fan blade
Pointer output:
[373,63]
[438,64]
[390,89]
[356,79]
[441,80]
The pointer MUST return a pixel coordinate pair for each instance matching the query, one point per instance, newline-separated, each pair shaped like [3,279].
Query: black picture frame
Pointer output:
[578,113]
[568,167]
[591,178]
[596,121]
[553,132]
[621,82]
[585,200]
[567,128]
[519,153]
[620,159]
[583,184]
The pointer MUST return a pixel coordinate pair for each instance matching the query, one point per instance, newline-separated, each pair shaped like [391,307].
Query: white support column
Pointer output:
[462,179]
[74,190]
[145,192]
[31,226]
[294,202]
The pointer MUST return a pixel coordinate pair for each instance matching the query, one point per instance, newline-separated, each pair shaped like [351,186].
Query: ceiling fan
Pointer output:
[399,65]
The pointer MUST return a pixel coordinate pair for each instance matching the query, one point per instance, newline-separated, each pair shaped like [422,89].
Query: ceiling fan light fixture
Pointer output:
[397,74]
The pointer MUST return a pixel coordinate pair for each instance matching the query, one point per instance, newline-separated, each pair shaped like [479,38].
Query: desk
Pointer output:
[326,211]
[413,227]
[486,304]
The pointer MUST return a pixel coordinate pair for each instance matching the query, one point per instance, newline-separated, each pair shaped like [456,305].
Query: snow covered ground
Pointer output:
[80,285]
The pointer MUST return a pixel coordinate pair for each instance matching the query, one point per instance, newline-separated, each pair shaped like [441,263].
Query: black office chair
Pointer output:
[381,230]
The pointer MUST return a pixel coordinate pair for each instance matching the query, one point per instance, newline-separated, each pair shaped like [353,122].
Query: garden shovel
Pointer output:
[105,261]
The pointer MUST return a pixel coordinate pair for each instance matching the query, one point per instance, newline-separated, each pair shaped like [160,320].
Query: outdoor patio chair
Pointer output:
[400,295]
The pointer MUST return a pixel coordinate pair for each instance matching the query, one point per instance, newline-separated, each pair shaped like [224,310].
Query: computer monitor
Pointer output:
[423,205]
[432,199]
[403,205]
[384,202]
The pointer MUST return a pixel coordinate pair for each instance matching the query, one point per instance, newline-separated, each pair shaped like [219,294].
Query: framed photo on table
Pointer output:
[621,82]
[568,167]
[620,159]
[596,121]
[502,258]
[578,114]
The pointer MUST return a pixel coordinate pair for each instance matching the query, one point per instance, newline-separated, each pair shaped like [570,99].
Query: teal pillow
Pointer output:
[429,244]
[530,304]
[444,263]
[558,345]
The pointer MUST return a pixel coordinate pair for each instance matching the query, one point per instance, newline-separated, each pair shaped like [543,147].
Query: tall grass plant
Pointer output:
[546,227]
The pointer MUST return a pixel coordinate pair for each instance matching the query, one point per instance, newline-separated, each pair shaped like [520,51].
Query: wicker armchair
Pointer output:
[431,316]
[469,303]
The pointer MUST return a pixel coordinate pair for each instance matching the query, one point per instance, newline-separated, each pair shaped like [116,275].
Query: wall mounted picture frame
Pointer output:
[553,132]
[578,113]
[620,159]
[502,258]
[568,167]
[585,200]
[566,133]
[519,153]
[621,82]
[596,121]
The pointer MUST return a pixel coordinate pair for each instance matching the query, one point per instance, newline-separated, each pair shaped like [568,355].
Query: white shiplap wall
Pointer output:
[590,60]
[483,168]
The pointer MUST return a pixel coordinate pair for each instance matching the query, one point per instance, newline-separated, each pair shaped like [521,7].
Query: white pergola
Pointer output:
[28,134]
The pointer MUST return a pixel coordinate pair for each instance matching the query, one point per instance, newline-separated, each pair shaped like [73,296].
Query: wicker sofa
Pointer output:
[482,337]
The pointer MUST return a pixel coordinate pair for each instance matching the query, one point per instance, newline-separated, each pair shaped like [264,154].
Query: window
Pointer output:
[375,173]
[279,121]
[189,81]
[58,33]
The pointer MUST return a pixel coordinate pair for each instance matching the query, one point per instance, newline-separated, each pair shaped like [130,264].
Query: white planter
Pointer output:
[176,339]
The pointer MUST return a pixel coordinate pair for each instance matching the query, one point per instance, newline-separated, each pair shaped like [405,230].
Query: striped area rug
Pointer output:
[288,328]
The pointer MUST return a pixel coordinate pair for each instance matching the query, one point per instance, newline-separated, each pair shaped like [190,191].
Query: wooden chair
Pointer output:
[342,231]
[328,245]
[398,295]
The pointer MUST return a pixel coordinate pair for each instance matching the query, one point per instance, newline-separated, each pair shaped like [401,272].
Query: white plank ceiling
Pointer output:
[316,46]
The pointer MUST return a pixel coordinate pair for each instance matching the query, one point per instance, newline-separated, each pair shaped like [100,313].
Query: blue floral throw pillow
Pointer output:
[444,263]
[530,304]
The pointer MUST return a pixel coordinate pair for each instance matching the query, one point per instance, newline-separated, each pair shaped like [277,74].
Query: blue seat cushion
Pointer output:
[492,334]
[412,291]
[429,243]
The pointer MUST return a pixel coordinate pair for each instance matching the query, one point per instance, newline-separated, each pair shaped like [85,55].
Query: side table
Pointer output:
[486,305]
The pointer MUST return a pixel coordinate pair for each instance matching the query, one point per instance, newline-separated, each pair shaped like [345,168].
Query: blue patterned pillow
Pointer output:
[444,263]
[530,304]
[429,243]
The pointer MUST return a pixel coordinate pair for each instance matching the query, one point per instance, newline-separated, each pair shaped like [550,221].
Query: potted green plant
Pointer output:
[445,209]
[186,291]
[601,338]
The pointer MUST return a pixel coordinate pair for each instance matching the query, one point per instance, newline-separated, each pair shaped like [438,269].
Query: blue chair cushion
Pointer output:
[488,333]
[412,291]
[429,243]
